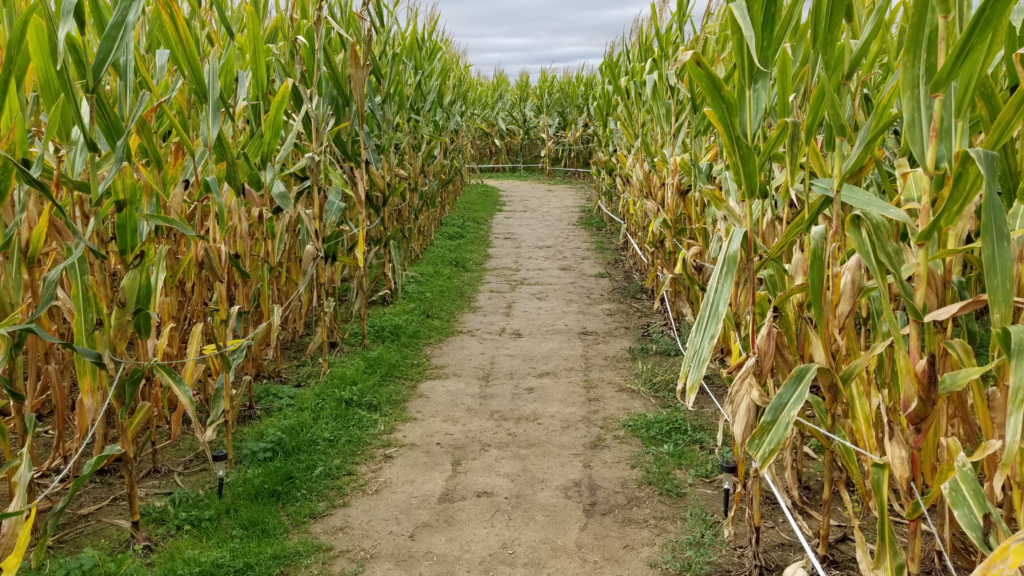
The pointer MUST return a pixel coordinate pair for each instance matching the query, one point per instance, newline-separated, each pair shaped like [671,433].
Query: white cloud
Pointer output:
[536,33]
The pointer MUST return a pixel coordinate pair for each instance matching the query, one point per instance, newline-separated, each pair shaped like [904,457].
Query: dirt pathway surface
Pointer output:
[511,463]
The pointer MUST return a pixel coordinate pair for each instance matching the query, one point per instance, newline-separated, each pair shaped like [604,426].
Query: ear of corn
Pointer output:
[185,184]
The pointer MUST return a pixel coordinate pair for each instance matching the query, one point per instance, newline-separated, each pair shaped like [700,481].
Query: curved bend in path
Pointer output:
[511,463]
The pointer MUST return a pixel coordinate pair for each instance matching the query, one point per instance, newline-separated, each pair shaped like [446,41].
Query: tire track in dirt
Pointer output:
[511,463]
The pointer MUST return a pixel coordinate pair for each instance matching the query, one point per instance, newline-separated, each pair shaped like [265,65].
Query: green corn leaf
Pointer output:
[1007,123]
[123,150]
[12,53]
[87,354]
[257,59]
[723,113]
[860,198]
[36,184]
[91,372]
[995,244]
[865,242]
[708,325]
[889,558]
[970,506]
[856,367]
[225,18]
[118,32]
[334,208]
[160,220]
[778,418]
[833,108]
[211,113]
[826,20]
[798,227]
[51,281]
[974,39]
[816,255]
[917,65]
[183,49]
[867,38]
[179,388]
[967,180]
[739,12]
[274,122]
[67,20]
[958,379]
[1011,340]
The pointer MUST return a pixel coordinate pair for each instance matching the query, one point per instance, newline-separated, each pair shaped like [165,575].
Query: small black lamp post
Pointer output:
[729,469]
[220,468]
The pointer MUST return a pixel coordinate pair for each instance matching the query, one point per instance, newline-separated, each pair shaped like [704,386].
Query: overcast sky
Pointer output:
[535,33]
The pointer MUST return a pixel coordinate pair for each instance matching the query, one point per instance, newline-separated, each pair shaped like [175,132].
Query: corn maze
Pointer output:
[829,191]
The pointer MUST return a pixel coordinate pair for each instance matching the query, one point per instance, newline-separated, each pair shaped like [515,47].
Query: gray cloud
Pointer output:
[535,33]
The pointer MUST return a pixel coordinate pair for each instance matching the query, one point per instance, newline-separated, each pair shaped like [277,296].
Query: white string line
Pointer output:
[504,166]
[527,166]
[938,538]
[100,416]
[614,217]
[792,522]
[835,438]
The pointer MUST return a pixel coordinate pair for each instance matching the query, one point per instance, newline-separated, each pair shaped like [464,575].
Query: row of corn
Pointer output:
[546,122]
[831,192]
[183,187]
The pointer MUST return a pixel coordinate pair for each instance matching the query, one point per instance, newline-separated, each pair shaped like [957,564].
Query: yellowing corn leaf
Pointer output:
[1004,560]
[212,348]
[12,563]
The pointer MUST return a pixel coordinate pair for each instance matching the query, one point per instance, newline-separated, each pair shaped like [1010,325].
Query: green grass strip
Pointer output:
[296,462]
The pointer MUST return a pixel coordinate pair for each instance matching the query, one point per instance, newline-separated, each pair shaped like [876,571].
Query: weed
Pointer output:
[633,290]
[181,512]
[655,379]
[699,543]
[677,447]
[592,221]
[660,342]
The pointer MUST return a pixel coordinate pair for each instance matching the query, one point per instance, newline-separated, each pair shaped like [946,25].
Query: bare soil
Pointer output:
[511,462]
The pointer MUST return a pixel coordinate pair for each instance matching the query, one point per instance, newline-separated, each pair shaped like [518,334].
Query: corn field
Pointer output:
[548,123]
[830,191]
[184,187]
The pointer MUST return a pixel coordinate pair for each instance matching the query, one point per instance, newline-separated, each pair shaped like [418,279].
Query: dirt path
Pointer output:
[511,463]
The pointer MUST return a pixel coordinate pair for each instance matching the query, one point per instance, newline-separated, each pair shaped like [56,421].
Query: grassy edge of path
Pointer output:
[300,459]
[675,443]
